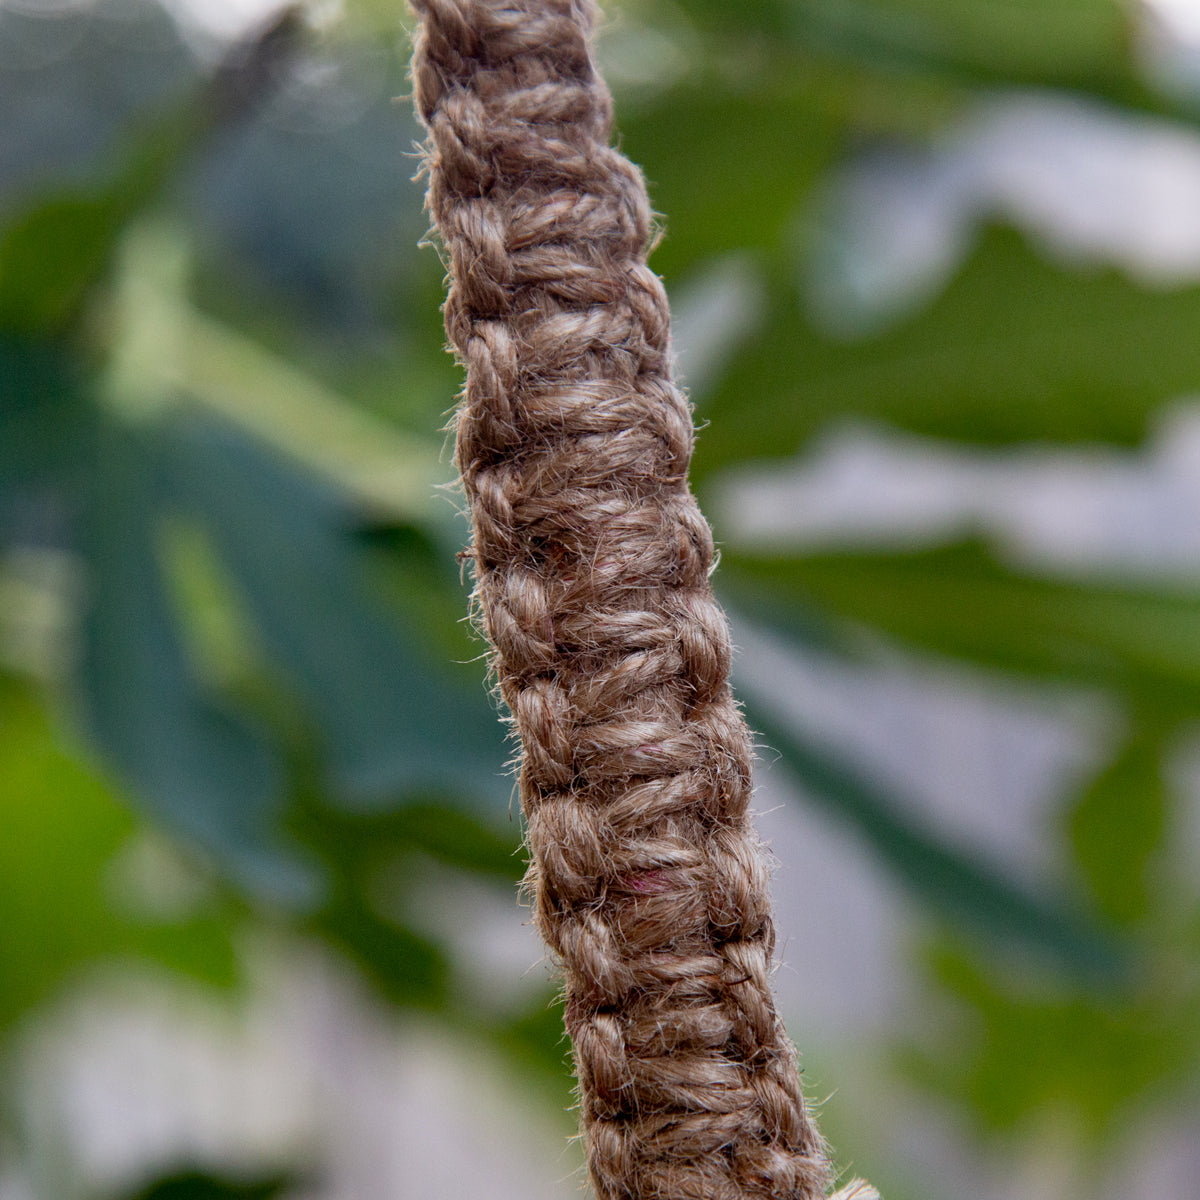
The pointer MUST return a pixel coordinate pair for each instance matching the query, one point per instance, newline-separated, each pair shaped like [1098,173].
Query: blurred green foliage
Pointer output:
[226,571]
[57,811]
[194,1185]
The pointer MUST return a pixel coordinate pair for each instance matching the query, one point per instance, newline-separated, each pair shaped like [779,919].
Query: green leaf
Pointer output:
[44,421]
[392,720]
[960,602]
[712,157]
[1118,825]
[961,889]
[777,90]
[59,907]
[60,245]
[51,255]
[439,827]
[1015,349]
[199,1185]
[408,969]
[1031,1059]
[367,912]
[445,832]
[536,1042]
[201,767]
[1083,44]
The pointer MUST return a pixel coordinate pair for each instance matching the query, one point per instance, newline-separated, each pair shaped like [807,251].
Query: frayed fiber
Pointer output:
[858,1190]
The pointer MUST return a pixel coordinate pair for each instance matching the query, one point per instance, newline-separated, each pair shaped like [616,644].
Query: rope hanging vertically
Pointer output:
[591,563]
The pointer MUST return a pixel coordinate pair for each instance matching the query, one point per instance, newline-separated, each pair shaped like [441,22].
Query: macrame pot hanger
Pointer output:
[591,566]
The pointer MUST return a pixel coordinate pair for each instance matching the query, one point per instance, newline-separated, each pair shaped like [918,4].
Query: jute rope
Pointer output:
[591,562]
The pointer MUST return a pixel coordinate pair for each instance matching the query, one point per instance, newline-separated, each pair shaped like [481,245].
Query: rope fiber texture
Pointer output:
[591,562]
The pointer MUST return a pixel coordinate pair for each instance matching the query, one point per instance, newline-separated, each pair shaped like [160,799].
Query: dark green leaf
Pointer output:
[41,401]
[959,888]
[536,1041]
[1118,825]
[59,907]
[392,719]
[61,244]
[459,839]
[108,65]
[1016,349]
[1083,44]
[1030,1056]
[409,970]
[43,425]
[199,1185]
[200,767]
[443,829]
[324,216]
[50,256]
[756,153]
[960,602]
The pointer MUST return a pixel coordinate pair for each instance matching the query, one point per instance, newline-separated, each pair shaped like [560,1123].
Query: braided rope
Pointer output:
[591,563]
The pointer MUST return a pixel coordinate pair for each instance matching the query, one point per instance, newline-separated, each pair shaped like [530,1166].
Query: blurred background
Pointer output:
[935,270]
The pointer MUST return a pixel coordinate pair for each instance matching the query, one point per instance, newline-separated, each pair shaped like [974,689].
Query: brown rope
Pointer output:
[591,563]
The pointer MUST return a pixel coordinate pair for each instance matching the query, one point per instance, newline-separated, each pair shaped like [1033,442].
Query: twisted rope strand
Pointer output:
[591,563]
